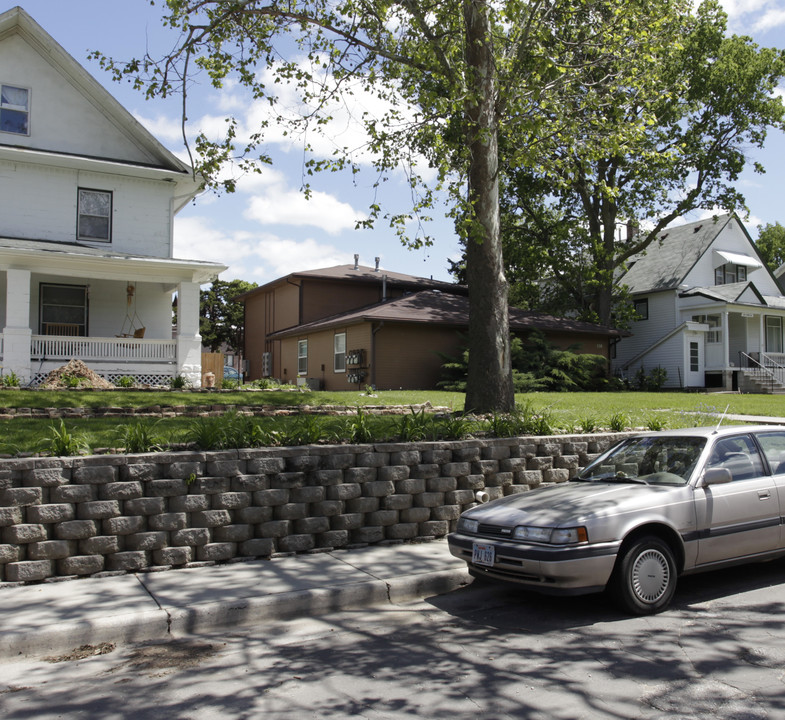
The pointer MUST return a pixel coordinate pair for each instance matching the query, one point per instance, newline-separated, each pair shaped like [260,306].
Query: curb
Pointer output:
[162,624]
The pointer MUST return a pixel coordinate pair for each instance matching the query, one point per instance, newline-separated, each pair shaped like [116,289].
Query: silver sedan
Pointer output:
[655,506]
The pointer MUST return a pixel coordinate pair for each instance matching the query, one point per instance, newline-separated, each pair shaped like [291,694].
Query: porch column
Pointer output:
[189,341]
[17,334]
[727,373]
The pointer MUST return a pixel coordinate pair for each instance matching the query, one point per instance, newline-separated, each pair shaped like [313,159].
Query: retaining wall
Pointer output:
[84,516]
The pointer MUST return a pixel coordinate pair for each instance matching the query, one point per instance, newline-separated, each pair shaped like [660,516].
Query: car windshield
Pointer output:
[651,460]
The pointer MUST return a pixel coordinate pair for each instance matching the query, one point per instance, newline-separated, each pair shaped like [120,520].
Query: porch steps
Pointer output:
[757,381]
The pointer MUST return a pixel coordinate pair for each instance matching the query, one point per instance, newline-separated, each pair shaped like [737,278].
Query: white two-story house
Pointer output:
[708,309]
[87,204]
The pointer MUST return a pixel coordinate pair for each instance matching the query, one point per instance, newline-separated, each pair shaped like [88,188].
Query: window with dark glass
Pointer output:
[642,309]
[95,215]
[339,347]
[302,357]
[14,110]
[694,357]
[63,309]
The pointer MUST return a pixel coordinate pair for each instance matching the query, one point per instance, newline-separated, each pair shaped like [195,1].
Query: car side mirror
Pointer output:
[716,476]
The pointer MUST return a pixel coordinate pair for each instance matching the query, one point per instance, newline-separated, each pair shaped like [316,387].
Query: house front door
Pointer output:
[695,367]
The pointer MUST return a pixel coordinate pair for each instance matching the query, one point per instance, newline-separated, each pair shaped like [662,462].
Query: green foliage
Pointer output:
[141,436]
[524,420]
[359,429]
[307,430]
[771,244]
[221,318]
[588,424]
[417,425]
[126,381]
[655,424]
[618,422]
[64,442]
[650,382]
[207,433]
[227,384]
[72,381]
[10,380]
[179,382]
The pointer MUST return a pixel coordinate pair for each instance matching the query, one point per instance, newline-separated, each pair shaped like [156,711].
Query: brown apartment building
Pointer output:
[345,327]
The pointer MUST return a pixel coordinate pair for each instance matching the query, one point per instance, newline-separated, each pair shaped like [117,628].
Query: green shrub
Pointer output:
[140,436]
[229,384]
[588,424]
[179,382]
[126,381]
[64,443]
[618,422]
[10,380]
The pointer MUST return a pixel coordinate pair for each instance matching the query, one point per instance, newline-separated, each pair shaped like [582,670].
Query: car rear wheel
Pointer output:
[645,577]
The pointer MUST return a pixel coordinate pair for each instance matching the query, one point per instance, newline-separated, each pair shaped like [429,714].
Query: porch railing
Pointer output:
[766,368]
[98,349]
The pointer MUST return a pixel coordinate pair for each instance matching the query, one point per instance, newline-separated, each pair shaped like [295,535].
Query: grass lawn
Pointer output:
[565,412]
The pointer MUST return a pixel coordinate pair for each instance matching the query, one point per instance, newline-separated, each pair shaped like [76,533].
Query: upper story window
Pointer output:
[14,110]
[95,215]
[642,309]
[730,273]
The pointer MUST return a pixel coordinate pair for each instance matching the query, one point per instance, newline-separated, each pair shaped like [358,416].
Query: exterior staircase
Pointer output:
[759,380]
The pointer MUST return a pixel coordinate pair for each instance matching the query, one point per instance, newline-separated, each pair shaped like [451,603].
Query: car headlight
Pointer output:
[467,525]
[552,536]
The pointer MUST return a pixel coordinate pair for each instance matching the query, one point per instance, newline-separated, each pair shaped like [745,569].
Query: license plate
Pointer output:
[483,554]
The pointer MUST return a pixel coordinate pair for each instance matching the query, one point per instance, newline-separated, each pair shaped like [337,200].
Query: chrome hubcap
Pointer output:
[650,576]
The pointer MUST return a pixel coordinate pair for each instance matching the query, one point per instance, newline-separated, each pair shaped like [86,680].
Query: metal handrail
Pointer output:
[775,373]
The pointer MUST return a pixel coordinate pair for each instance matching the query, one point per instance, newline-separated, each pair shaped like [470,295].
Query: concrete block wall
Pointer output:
[86,516]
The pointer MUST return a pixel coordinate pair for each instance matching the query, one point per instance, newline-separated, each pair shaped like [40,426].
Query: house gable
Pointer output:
[69,111]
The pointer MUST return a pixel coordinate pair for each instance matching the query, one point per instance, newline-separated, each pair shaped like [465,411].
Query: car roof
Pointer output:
[714,431]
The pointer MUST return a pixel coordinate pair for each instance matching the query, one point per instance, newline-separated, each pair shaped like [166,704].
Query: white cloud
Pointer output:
[164,129]
[249,256]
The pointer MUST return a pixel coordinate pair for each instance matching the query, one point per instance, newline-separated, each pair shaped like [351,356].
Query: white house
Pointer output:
[709,310]
[87,205]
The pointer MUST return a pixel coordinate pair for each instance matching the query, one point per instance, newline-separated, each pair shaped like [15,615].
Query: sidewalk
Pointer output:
[59,617]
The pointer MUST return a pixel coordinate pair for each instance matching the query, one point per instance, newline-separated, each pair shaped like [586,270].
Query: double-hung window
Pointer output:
[63,309]
[14,110]
[339,345]
[302,357]
[95,215]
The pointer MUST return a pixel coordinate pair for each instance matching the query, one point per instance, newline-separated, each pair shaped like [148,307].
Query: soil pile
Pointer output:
[61,378]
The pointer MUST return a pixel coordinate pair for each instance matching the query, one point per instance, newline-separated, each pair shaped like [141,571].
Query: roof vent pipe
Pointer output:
[356,261]
[377,264]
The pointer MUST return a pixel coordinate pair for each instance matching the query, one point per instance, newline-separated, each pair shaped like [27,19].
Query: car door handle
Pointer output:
[764,495]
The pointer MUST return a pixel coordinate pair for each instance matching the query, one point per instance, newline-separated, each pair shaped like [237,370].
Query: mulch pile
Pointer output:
[56,380]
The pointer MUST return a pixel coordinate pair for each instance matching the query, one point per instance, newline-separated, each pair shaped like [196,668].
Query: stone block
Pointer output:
[467,454]
[257,547]
[308,494]
[441,484]
[360,474]
[191,536]
[425,471]
[249,483]
[368,534]
[371,460]
[10,516]
[347,521]
[439,456]
[265,465]
[121,490]
[76,530]
[51,549]
[382,517]
[539,463]
[555,476]
[184,471]
[73,493]
[124,525]
[434,528]
[456,469]
[429,499]
[378,488]
[392,473]
[296,543]
[362,505]
[275,528]
[291,511]
[145,506]
[231,500]
[98,509]
[81,565]
[94,475]
[47,514]
[311,525]
[210,485]
[402,531]
[287,480]
[46,477]
[332,539]
[344,491]
[271,498]
[339,461]
[254,515]
[496,452]
[146,541]
[18,497]
[23,534]
[485,467]
[327,508]
[189,503]
[459,497]
[100,545]
[140,471]
[412,486]
[168,521]
[303,463]
[211,518]
[10,553]
[127,561]
[173,556]
[405,457]
[396,502]
[168,487]
[446,512]
[216,551]
[29,570]
[233,533]
[415,515]
[500,479]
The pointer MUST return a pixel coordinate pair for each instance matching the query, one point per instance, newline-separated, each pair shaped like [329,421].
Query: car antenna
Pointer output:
[722,417]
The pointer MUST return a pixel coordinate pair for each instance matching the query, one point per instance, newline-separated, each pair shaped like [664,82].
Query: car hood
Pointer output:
[571,502]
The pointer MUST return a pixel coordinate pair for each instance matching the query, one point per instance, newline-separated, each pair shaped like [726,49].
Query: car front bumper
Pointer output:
[558,570]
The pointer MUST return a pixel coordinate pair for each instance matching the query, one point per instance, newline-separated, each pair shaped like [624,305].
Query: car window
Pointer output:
[737,454]
[773,444]
[654,459]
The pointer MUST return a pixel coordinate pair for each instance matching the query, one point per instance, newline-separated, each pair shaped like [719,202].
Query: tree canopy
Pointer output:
[221,319]
[639,152]
[455,78]
[771,244]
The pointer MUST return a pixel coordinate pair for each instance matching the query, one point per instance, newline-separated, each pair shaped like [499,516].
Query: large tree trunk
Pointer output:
[489,385]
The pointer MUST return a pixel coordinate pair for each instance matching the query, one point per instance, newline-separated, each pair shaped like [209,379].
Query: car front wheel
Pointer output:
[645,577]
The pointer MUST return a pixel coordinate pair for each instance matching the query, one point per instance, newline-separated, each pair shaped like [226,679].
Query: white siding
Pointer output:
[668,355]
[44,204]
[62,118]
[662,319]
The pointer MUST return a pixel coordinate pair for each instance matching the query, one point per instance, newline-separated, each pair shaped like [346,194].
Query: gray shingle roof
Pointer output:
[668,259]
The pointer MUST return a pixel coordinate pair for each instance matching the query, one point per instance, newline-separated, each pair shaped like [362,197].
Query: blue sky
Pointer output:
[267,229]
